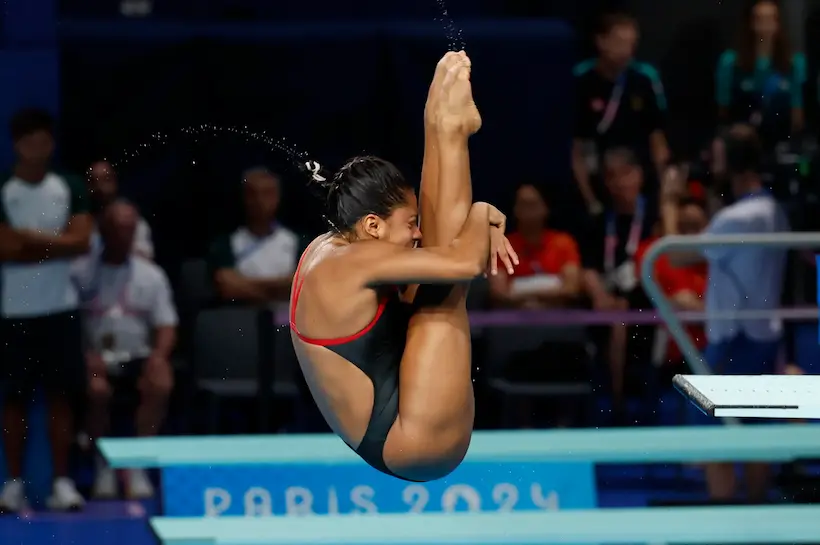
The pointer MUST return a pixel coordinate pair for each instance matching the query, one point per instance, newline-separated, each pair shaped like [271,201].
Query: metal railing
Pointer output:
[664,307]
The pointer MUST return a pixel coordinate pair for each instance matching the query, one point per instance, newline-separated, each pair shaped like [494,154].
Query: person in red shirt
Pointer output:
[685,286]
[549,272]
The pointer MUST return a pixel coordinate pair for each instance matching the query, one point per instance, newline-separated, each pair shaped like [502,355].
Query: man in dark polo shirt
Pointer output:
[620,104]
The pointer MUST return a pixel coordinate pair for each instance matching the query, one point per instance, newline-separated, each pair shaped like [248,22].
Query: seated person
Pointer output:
[610,277]
[548,276]
[255,263]
[103,188]
[130,327]
[684,285]
[549,273]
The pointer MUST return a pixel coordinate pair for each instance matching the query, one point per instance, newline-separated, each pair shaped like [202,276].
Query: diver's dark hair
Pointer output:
[28,121]
[364,185]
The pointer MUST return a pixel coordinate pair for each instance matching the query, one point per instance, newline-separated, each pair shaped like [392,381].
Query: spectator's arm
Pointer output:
[580,135]
[143,243]
[234,286]
[797,84]
[164,320]
[581,172]
[723,84]
[570,287]
[673,282]
[594,286]
[656,113]
[669,177]
[74,241]
[685,258]
[688,300]
[500,293]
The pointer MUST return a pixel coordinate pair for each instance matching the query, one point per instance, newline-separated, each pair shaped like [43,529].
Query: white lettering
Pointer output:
[332,502]
[416,496]
[298,501]
[217,501]
[548,503]
[258,503]
[505,495]
[362,498]
[457,492]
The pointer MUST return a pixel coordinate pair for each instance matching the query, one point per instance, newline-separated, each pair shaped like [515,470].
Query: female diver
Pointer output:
[389,368]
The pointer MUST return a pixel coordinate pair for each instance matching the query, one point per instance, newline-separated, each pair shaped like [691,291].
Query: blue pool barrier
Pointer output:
[691,525]
[503,471]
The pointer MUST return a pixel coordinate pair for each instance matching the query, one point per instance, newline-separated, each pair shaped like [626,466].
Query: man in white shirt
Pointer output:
[742,278]
[44,223]
[130,329]
[255,263]
[103,188]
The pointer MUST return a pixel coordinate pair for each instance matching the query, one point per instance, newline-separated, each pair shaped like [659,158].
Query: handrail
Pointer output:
[664,307]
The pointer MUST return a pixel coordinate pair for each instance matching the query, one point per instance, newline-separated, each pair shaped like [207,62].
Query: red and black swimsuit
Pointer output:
[376,350]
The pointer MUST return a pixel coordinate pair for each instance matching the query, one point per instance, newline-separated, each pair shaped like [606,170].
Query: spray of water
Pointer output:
[454,34]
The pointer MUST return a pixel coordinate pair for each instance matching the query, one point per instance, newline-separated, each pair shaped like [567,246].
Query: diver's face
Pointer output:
[402,225]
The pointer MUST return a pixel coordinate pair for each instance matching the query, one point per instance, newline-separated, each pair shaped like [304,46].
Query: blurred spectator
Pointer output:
[685,286]
[610,276]
[761,80]
[256,262]
[44,222]
[103,186]
[620,103]
[549,274]
[741,278]
[130,329]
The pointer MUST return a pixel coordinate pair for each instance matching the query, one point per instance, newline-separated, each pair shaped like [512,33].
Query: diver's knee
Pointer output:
[426,453]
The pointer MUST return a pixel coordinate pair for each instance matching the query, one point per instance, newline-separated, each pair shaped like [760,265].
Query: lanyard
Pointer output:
[633,239]
[93,303]
[613,105]
[254,246]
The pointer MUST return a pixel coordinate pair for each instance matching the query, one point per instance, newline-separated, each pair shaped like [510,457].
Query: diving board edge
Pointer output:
[685,387]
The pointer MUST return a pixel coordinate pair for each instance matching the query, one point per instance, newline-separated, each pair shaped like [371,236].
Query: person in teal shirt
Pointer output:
[761,80]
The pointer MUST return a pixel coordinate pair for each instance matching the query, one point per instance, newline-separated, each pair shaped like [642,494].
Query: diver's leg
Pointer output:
[444,204]
[436,406]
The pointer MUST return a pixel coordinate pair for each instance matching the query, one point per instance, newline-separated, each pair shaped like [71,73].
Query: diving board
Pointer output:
[690,525]
[776,443]
[753,396]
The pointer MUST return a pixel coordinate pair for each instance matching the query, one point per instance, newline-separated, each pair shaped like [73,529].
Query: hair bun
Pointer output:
[314,168]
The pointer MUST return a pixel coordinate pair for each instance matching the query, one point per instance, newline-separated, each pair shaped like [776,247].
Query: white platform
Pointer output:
[759,396]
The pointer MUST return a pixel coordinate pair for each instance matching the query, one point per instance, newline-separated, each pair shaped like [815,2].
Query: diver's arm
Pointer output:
[384,263]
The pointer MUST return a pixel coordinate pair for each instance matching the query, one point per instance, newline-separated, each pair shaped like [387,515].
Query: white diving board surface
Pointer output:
[776,443]
[753,396]
[690,525]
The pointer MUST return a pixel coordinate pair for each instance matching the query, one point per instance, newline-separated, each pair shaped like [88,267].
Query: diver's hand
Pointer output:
[501,250]
[456,112]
